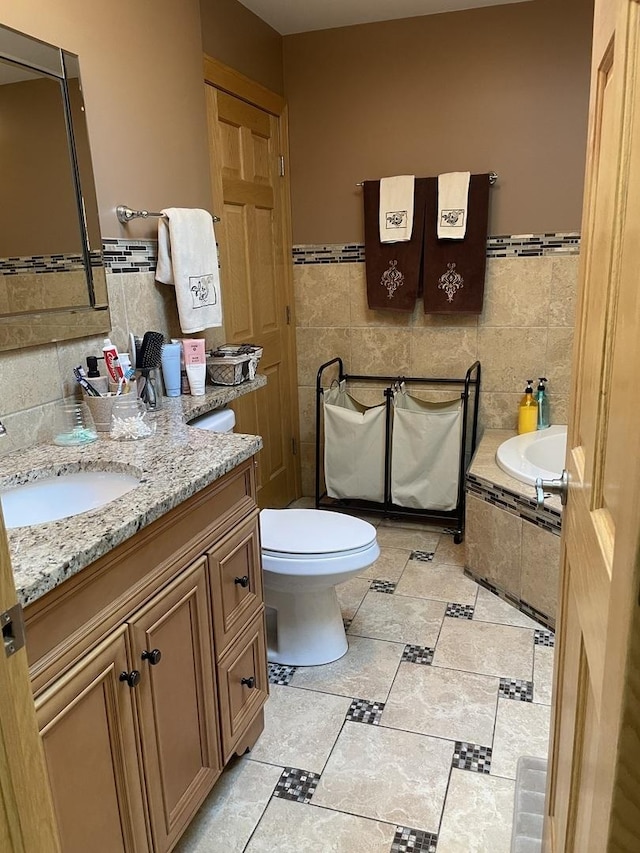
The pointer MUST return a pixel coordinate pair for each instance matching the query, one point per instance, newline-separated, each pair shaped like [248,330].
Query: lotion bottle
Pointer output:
[528,411]
[543,404]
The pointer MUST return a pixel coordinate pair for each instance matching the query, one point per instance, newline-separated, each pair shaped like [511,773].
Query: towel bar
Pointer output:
[493,177]
[125,214]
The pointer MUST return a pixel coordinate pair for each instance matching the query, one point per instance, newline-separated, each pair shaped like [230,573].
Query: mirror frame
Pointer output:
[30,329]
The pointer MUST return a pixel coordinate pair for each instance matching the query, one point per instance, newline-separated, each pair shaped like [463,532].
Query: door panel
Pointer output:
[245,144]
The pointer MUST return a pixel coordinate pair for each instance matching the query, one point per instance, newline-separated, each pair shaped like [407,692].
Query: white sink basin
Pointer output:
[53,498]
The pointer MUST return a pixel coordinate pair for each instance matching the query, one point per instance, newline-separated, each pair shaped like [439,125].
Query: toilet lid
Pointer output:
[313,531]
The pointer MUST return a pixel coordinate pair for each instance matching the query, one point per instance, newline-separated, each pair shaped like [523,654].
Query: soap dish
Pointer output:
[74,424]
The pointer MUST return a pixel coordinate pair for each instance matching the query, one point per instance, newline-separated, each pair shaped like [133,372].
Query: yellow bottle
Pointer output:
[528,411]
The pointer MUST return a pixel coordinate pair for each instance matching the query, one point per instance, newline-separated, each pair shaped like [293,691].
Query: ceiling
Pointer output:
[301,16]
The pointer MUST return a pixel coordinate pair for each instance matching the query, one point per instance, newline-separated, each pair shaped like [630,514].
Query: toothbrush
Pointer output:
[91,390]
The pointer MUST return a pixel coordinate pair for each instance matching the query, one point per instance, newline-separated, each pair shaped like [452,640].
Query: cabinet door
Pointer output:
[176,702]
[243,683]
[87,725]
[236,582]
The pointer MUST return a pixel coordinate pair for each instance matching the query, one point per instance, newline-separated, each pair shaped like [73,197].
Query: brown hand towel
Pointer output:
[454,270]
[393,269]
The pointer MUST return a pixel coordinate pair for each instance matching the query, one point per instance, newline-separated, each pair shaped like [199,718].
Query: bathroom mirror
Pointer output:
[52,279]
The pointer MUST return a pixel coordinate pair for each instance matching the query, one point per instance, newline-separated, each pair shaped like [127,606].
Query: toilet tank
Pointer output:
[219,420]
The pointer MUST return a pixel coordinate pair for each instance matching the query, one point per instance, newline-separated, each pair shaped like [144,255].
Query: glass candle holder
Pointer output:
[74,424]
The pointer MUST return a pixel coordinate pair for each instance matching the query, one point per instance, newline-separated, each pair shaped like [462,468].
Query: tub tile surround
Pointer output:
[393,719]
[524,331]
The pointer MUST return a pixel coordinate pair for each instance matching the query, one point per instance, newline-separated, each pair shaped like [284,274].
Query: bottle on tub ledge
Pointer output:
[543,404]
[528,411]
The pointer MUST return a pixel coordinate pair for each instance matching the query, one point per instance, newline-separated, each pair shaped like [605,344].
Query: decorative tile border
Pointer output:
[382,586]
[470,756]
[418,654]
[544,638]
[296,785]
[515,688]
[423,556]
[547,518]
[121,256]
[39,264]
[280,674]
[363,711]
[460,611]
[526,608]
[407,840]
[505,246]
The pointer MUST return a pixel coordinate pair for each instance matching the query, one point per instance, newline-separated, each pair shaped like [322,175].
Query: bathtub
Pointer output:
[534,454]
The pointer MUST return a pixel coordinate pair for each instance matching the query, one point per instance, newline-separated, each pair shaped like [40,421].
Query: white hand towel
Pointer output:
[453,197]
[188,259]
[396,208]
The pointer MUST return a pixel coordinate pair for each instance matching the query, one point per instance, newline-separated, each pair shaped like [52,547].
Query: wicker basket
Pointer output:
[231,365]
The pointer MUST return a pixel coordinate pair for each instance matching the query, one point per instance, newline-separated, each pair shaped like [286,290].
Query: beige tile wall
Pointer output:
[525,331]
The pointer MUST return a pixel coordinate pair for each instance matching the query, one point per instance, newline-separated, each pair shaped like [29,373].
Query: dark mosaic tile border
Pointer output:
[418,654]
[526,608]
[40,264]
[280,673]
[544,638]
[546,518]
[505,246]
[121,256]
[407,840]
[515,688]
[471,756]
[296,785]
[382,586]
[459,611]
[363,711]
[423,556]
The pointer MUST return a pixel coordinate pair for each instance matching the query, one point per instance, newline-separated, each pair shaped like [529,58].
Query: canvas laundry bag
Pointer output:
[354,437]
[425,452]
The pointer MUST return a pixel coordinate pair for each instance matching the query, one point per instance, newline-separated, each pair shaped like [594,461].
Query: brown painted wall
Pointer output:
[141,66]
[239,38]
[502,89]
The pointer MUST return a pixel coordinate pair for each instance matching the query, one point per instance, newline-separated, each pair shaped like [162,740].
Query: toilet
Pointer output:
[305,553]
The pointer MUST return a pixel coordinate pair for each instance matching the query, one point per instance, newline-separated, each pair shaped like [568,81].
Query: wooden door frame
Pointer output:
[229,80]
[27,820]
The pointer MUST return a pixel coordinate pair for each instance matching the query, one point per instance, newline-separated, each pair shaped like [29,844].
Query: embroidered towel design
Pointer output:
[392,279]
[453,200]
[396,208]
[450,281]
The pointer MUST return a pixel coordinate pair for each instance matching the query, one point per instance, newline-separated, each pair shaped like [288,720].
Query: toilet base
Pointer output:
[307,629]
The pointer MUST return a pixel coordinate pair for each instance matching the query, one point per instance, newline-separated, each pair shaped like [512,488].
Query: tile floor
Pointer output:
[410,741]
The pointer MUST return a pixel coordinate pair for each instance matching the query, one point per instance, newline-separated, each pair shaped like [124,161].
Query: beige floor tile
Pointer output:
[407,523]
[478,814]
[542,674]
[232,810]
[290,827]
[389,565]
[491,608]
[443,703]
[448,552]
[290,716]
[399,619]
[365,672]
[485,648]
[388,775]
[442,583]
[522,728]
[408,538]
[350,595]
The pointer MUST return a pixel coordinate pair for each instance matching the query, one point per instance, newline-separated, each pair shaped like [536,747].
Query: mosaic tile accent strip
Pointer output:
[515,688]
[418,654]
[130,255]
[546,518]
[38,264]
[505,246]
[382,586]
[460,611]
[544,638]
[408,840]
[470,756]
[518,603]
[423,556]
[296,785]
[280,674]
[363,711]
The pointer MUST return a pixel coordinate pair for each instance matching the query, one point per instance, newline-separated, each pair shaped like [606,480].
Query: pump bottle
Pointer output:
[543,404]
[528,411]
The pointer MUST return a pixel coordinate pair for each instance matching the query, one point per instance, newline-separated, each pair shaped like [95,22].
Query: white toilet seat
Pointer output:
[313,533]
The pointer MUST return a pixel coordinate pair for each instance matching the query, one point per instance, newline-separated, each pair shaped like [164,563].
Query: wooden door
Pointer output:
[87,728]
[593,798]
[250,195]
[176,709]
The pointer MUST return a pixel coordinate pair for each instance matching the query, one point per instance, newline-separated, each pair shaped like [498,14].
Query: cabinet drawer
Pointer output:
[236,583]
[240,702]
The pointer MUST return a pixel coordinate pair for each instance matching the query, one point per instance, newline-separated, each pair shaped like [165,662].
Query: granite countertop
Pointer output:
[172,465]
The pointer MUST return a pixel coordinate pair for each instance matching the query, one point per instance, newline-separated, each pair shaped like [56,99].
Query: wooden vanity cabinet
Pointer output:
[143,703]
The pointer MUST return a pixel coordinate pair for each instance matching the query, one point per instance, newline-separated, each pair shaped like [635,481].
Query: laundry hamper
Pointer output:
[354,446]
[425,452]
